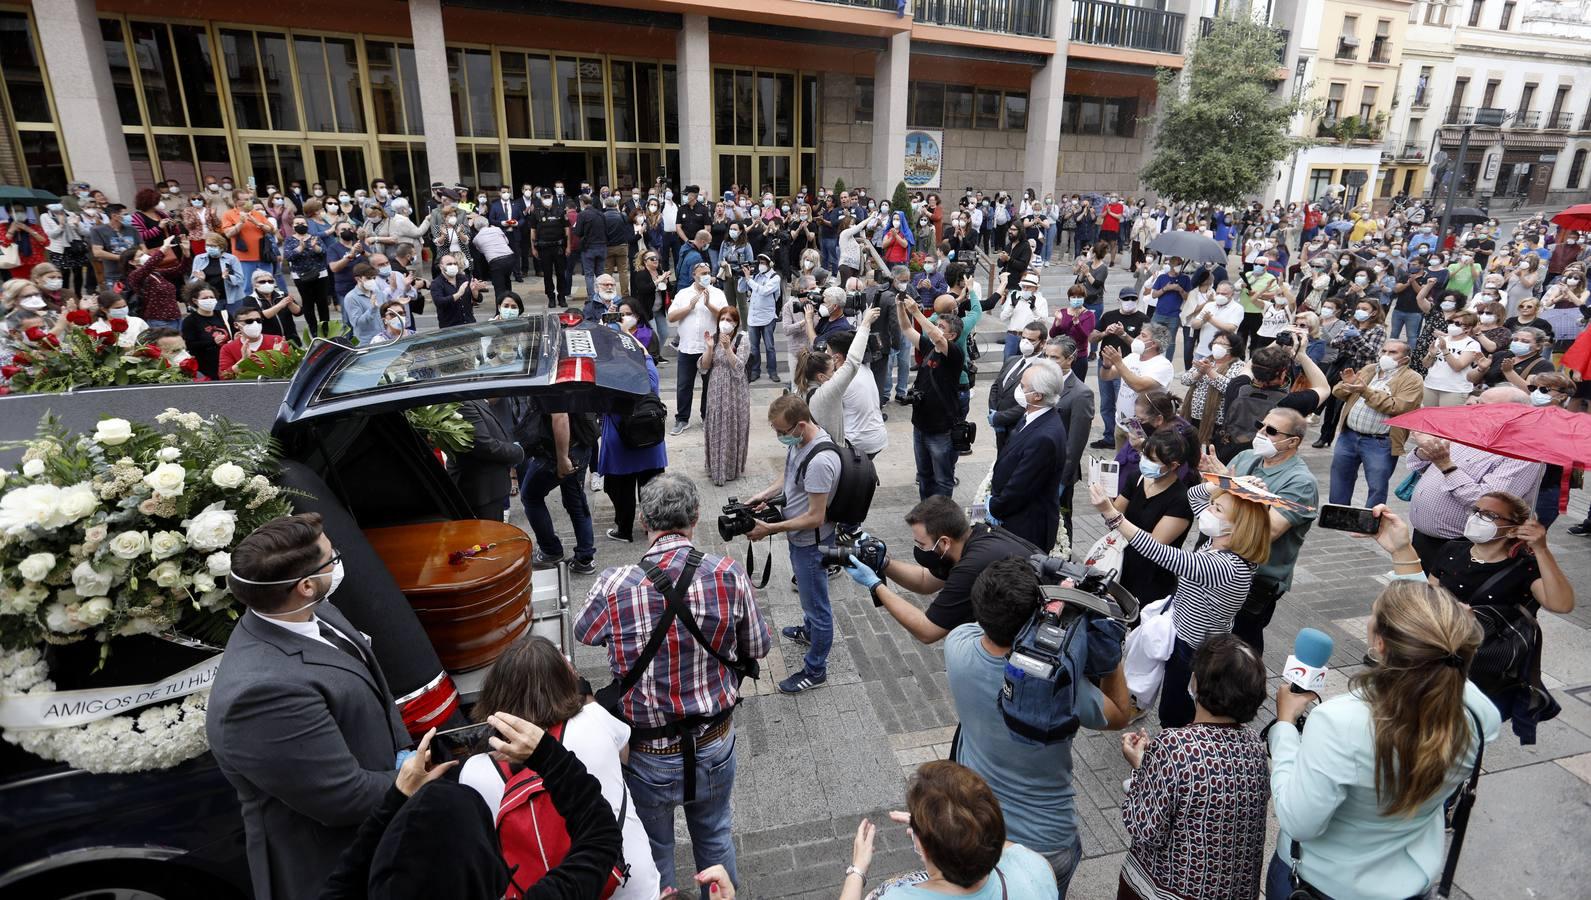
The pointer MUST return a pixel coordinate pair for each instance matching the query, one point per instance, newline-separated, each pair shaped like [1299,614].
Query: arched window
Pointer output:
[1575,169]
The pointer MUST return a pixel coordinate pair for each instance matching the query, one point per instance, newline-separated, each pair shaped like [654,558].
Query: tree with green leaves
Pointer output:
[1222,127]
[901,200]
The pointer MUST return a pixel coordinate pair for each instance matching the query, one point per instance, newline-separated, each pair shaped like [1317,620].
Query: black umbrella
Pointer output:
[1467,215]
[1190,246]
[16,193]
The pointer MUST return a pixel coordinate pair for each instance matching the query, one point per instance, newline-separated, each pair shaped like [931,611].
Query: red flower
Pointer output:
[34,333]
[9,372]
[117,325]
[52,340]
[189,365]
[150,350]
[4,390]
[21,359]
[80,317]
[105,338]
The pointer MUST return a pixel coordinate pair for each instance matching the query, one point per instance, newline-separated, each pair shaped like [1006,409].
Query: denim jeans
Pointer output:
[762,338]
[593,261]
[1064,864]
[817,616]
[657,786]
[936,464]
[1173,325]
[1353,448]
[902,360]
[685,387]
[537,479]
[829,252]
[1408,323]
[1049,242]
[1013,346]
[1107,406]
[1278,877]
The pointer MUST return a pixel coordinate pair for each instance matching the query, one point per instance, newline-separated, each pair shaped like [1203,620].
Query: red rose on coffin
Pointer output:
[34,333]
[190,365]
[150,350]
[106,339]
[21,359]
[4,390]
[9,372]
[80,317]
[117,325]
[52,340]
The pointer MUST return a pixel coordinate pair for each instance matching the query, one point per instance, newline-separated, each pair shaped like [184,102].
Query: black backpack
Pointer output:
[643,427]
[852,494]
[1247,405]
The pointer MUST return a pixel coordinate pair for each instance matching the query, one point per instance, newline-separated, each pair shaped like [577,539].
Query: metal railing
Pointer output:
[1029,18]
[885,5]
[1459,115]
[1120,25]
[1411,150]
[1561,121]
[1525,118]
[1206,23]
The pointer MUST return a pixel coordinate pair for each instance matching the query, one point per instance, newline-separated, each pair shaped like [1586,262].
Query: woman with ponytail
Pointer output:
[1359,793]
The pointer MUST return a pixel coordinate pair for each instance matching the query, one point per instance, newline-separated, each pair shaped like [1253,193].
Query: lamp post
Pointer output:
[1299,69]
[1483,116]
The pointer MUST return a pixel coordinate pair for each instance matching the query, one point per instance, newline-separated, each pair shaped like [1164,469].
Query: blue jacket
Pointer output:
[1025,494]
[614,458]
[234,284]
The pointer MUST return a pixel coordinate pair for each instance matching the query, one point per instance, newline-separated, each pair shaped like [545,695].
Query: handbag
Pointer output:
[1405,489]
[1509,635]
[10,256]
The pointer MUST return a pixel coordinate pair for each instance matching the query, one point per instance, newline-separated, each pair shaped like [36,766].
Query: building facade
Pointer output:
[1047,94]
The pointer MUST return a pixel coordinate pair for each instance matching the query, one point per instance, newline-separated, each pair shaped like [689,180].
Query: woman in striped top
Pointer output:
[1212,581]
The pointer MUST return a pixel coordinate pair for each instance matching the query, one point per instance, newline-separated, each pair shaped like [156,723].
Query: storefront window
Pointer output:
[622,77]
[928,108]
[671,108]
[203,98]
[568,98]
[1016,112]
[542,97]
[988,110]
[958,106]
[24,79]
[745,111]
[478,68]
[157,72]
[395,87]
[276,70]
[41,151]
[809,111]
[121,72]
[648,94]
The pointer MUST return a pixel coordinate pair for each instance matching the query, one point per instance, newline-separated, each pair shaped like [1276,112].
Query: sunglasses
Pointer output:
[1271,431]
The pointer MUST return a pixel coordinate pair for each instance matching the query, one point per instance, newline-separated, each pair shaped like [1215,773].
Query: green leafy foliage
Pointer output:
[839,186]
[443,427]
[273,364]
[901,200]
[1222,126]
[49,363]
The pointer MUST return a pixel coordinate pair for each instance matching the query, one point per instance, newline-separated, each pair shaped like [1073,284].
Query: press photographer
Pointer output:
[948,555]
[935,410]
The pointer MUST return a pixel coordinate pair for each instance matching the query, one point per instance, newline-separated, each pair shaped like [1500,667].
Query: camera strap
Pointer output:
[751,565]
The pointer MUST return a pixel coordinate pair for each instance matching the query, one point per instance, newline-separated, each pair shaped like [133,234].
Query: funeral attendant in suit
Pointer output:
[300,719]
[1005,407]
[1026,490]
[1076,409]
[486,470]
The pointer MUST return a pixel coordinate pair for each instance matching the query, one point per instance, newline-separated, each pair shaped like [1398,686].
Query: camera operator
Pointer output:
[934,396]
[806,502]
[948,554]
[829,317]
[1032,781]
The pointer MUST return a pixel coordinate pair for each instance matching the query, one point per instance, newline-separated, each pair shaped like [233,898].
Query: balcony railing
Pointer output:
[1476,115]
[1120,25]
[1459,115]
[1029,18]
[1560,121]
[1525,118]
[1284,35]
[885,5]
[1411,150]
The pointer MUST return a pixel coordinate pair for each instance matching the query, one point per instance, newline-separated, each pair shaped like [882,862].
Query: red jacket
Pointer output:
[232,352]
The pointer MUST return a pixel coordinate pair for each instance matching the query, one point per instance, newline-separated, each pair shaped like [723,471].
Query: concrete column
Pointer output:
[890,76]
[1042,158]
[436,103]
[693,59]
[85,99]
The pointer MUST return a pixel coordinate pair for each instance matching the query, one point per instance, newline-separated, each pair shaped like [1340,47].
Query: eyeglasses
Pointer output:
[1490,516]
[1272,431]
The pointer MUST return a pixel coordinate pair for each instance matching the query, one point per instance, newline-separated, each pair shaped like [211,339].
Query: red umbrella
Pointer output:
[1577,217]
[1547,434]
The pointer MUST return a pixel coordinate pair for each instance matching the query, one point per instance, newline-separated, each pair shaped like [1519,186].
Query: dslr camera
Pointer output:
[914,397]
[868,550]
[739,518]
[857,302]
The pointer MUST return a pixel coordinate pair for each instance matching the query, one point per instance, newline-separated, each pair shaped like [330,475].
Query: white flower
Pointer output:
[212,528]
[94,535]
[168,574]
[219,563]
[228,476]
[139,626]
[129,544]
[37,567]
[166,480]
[33,468]
[168,454]
[34,506]
[23,600]
[113,432]
[3,476]
[203,582]
[165,544]
[77,502]
[62,618]
[92,612]
[90,582]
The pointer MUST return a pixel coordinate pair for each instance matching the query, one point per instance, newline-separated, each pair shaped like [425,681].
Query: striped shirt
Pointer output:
[1211,584]
[684,678]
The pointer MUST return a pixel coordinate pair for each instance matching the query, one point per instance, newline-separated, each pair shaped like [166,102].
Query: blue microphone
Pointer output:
[1306,668]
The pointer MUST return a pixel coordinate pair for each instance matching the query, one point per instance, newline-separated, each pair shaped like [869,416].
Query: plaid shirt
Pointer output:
[685,679]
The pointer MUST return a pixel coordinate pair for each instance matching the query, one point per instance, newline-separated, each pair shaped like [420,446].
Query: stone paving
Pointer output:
[811,766]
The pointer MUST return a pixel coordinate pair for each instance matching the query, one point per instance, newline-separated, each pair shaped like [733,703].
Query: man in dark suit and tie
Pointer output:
[486,470]
[300,719]
[1005,408]
[503,210]
[1076,409]
[1025,495]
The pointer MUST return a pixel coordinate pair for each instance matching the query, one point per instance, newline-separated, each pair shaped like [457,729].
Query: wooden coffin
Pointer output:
[471,610]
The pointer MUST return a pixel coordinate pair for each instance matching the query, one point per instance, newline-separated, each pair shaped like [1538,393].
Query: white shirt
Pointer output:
[864,423]
[135,327]
[1443,377]
[1230,314]
[1016,313]
[309,629]
[1156,367]
[595,737]
[493,243]
[698,321]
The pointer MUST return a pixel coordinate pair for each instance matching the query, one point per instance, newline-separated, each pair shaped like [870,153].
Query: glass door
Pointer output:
[340,167]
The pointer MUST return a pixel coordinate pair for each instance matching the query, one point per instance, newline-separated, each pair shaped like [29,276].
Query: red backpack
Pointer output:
[532,835]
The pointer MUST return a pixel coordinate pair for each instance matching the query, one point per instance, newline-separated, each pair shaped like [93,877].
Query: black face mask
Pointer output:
[301,229]
[349,235]
[937,565]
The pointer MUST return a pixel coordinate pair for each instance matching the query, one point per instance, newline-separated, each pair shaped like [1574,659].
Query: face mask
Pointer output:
[1150,469]
[396,323]
[127,219]
[1361,315]
[762,268]
[1539,397]
[1075,302]
[704,281]
[629,322]
[452,220]
[1449,305]
[1328,312]
[509,312]
[1220,300]
[937,565]
[32,301]
[1264,447]
[823,310]
[1387,363]
[1219,351]
[1138,348]
[251,330]
[119,312]
[1454,329]
[1488,319]
[1024,294]
[1129,306]
[1279,301]
[1361,280]
[226,185]
[790,440]
[384,271]
[734,232]
[1520,348]
[52,284]
[1027,347]
[206,304]
[450,270]
[726,327]
[297,229]
[1479,531]
[1211,525]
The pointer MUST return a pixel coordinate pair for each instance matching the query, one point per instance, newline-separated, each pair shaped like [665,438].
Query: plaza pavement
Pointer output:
[810,766]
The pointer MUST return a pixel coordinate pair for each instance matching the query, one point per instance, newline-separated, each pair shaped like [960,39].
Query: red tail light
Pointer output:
[576,369]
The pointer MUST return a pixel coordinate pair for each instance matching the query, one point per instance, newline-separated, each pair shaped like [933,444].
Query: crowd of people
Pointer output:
[1317,317]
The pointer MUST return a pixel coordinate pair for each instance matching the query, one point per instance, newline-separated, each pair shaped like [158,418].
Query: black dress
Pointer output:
[1147,581]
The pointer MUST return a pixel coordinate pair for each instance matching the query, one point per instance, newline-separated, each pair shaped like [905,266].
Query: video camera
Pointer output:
[1095,590]
[739,518]
[800,301]
[858,302]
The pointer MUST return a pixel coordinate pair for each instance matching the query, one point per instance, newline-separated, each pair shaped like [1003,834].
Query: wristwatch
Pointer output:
[853,870]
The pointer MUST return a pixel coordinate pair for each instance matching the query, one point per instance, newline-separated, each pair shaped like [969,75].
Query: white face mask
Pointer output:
[336,574]
[1387,363]
[1264,447]
[806,263]
[1211,525]
[450,270]
[452,220]
[726,327]
[1027,347]
[1328,312]
[1449,305]
[396,323]
[928,266]
[32,302]
[1129,306]
[206,304]
[823,310]
[1218,351]
[629,322]
[1479,531]
[252,330]
[762,267]
[1488,319]
[264,288]
[1539,397]
[1454,329]
[704,281]
[1138,348]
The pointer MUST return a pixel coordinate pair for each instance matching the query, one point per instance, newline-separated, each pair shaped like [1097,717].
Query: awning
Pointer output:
[1531,140]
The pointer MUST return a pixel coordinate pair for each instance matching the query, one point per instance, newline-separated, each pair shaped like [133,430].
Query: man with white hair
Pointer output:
[1454,476]
[1025,496]
[1146,369]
